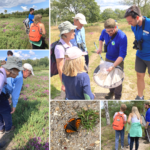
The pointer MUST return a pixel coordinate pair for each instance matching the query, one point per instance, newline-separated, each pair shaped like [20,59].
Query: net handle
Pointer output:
[99,53]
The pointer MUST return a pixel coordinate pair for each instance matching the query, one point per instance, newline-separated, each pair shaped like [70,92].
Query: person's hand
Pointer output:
[94,95]
[10,101]
[145,127]
[13,110]
[110,69]
[99,51]
[63,88]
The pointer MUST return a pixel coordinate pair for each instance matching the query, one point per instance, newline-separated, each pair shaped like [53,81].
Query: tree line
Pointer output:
[62,10]
[17,14]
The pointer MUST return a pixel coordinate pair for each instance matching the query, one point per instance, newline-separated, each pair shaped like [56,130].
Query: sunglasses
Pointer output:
[111,31]
[131,10]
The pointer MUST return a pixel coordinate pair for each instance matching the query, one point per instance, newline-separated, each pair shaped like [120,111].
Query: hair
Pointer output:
[63,36]
[10,53]
[31,9]
[136,112]
[147,103]
[3,62]
[123,107]
[132,14]
[37,18]
[74,66]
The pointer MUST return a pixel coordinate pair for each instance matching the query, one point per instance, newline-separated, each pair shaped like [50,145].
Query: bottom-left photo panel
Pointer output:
[24,100]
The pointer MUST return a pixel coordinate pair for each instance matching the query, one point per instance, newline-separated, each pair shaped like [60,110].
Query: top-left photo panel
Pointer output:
[24,24]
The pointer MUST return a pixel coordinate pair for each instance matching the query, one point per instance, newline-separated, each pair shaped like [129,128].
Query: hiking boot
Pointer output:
[12,129]
[2,131]
[109,95]
[146,142]
[138,98]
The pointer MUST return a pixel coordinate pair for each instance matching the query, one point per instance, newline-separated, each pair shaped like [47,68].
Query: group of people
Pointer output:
[36,30]
[12,73]
[134,126]
[72,36]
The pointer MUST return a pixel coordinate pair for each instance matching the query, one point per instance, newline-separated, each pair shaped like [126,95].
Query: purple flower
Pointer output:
[27,85]
[91,32]
[4,30]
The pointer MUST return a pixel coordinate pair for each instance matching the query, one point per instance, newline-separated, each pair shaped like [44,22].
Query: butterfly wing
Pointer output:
[78,121]
[68,127]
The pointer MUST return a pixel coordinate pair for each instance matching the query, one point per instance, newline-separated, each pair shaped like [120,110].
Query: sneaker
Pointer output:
[127,146]
[122,147]
[109,95]
[2,131]
[12,129]
[138,98]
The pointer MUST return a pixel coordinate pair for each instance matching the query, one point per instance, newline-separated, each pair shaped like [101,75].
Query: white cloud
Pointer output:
[34,6]
[26,56]
[2,58]
[14,3]
[24,7]
[113,4]
[34,58]
[31,52]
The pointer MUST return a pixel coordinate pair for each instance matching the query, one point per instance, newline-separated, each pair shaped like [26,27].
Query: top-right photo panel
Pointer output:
[100,50]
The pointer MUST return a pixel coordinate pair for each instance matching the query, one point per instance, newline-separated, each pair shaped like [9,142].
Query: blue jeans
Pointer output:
[121,133]
[5,116]
[129,138]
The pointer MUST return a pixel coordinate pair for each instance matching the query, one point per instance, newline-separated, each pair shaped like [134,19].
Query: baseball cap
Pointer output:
[81,18]
[109,23]
[134,9]
[28,67]
[74,52]
[13,62]
[66,27]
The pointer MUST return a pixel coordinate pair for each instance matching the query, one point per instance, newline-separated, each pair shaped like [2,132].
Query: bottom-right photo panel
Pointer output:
[125,125]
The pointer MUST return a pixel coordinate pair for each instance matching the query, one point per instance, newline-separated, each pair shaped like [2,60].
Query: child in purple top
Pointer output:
[74,77]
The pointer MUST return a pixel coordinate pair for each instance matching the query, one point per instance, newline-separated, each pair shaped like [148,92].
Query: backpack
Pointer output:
[26,22]
[54,70]
[34,34]
[118,122]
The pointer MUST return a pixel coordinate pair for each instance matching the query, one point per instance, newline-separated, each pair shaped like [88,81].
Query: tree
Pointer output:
[108,13]
[68,9]
[107,112]
[5,11]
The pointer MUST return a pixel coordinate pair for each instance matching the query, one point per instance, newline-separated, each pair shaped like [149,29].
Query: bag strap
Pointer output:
[112,37]
[143,24]
[59,43]
[1,72]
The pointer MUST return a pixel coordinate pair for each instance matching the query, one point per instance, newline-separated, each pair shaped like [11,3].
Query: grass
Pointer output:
[31,118]
[89,118]
[13,34]
[92,35]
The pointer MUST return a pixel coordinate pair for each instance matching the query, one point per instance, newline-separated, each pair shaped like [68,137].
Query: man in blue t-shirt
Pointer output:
[142,36]
[116,51]
[31,16]
[79,38]
[147,118]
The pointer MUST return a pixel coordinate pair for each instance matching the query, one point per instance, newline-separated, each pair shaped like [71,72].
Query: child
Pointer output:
[74,77]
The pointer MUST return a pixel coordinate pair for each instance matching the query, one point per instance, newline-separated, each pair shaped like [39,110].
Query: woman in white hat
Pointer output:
[66,33]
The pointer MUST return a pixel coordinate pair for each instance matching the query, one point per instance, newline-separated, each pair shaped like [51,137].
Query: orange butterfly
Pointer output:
[73,125]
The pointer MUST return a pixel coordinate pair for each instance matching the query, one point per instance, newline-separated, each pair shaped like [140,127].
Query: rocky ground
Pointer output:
[60,113]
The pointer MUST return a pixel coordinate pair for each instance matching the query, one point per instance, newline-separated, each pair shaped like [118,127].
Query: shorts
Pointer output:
[141,65]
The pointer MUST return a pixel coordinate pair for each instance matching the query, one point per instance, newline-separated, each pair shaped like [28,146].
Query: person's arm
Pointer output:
[17,85]
[43,29]
[60,63]
[129,119]
[101,39]
[100,47]
[88,95]
[140,120]
[1,82]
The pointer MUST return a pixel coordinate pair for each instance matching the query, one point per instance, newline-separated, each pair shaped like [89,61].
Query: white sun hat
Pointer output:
[81,18]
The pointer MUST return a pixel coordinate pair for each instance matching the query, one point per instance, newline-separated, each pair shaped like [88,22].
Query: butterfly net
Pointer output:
[107,79]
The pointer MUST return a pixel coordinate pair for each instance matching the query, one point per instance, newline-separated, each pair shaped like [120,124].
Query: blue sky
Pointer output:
[113,4]
[22,5]
[27,54]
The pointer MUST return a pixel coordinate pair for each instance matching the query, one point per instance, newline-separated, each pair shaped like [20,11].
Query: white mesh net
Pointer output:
[107,79]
